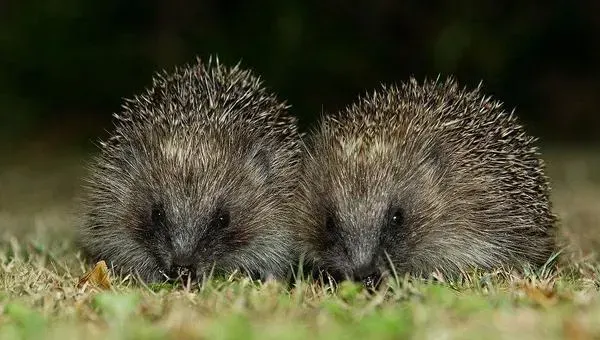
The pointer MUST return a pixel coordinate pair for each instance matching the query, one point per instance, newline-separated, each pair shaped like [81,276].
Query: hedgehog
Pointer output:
[195,179]
[417,179]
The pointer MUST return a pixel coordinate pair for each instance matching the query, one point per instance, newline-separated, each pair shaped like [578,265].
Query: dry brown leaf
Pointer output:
[541,296]
[97,277]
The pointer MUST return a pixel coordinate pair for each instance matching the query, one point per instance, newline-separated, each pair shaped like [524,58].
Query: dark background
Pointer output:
[66,65]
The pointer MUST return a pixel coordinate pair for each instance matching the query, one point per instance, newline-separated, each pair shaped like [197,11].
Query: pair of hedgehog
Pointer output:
[207,172]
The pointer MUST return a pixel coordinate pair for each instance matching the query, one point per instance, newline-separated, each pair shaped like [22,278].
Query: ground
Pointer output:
[40,270]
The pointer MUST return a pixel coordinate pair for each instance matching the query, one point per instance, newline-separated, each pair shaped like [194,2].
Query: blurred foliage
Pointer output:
[66,65]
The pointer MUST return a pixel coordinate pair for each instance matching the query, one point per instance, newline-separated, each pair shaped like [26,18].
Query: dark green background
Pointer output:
[65,65]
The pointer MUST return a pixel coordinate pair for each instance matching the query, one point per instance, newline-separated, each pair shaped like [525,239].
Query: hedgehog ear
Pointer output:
[437,159]
[436,156]
[260,160]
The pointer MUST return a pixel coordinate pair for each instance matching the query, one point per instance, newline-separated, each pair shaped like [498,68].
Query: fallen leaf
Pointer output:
[98,277]
[542,296]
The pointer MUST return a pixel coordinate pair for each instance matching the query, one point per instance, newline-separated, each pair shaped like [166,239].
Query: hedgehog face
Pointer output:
[372,214]
[188,238]
[361,226]
[357,241]
[178,212]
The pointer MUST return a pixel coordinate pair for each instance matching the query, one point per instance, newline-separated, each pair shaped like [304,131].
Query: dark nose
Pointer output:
[372,281]
[368,276]
[182,269]
[183,273]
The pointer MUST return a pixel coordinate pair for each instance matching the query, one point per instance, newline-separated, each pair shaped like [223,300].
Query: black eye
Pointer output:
[333,238]
[330,223]
[397,218]
[222,219]
[158,215]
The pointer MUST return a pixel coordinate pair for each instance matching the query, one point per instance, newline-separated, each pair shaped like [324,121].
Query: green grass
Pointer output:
[40,269]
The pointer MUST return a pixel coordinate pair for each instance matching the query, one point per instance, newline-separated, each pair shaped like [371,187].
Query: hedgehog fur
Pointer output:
[419,178]
[196,175]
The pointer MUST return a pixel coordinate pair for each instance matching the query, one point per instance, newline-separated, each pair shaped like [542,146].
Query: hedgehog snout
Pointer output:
[183,262]
[368,274]
[183,266]
[183,273]
[363,255]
